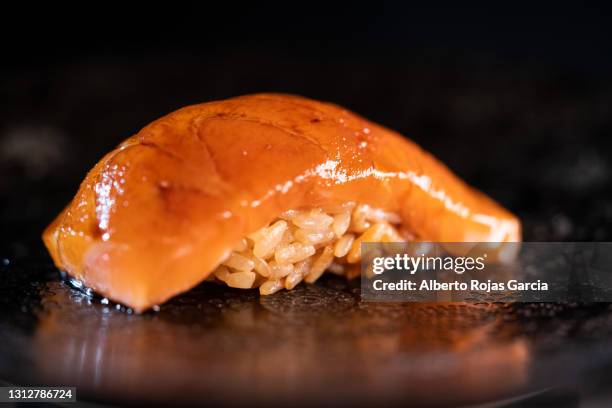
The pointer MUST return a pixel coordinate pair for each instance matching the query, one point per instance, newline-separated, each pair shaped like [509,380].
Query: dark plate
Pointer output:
[318,343]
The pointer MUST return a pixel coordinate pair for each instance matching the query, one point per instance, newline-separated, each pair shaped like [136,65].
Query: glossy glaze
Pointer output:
[157,214]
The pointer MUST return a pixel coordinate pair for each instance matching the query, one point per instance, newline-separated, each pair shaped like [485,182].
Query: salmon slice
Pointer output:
[159,213]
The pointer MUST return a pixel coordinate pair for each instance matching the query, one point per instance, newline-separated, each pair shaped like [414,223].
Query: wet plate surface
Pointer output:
[316,343]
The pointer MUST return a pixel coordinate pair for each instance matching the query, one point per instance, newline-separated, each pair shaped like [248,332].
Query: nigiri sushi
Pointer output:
[260,191]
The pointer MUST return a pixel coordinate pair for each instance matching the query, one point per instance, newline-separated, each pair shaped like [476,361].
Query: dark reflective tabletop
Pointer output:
[316,343]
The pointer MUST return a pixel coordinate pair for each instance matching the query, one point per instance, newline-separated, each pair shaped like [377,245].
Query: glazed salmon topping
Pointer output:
[160,213]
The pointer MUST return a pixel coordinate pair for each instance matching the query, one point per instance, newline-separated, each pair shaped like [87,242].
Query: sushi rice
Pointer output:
[302,244]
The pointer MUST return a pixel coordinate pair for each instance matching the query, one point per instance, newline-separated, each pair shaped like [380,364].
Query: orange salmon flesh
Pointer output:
[163,211]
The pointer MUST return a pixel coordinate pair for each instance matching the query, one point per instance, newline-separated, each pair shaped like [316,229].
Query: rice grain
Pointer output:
[319,266]
[241,280]
[271,286]
[267,239]
[239,262]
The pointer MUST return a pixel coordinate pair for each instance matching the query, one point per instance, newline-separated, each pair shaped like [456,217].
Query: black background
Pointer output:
[515,99]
